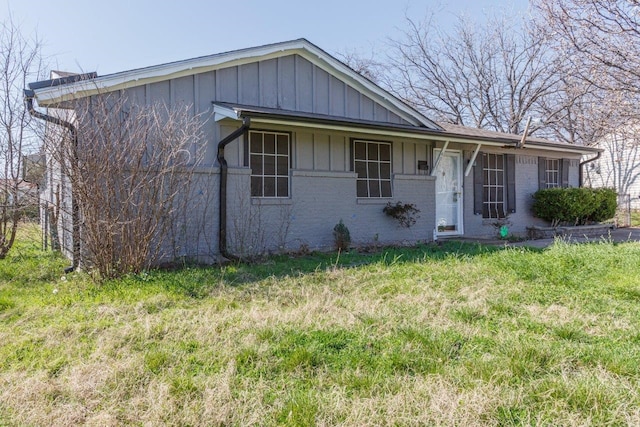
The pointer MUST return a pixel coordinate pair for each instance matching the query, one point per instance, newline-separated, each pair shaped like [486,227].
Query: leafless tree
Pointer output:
[20,61]
[599,42]
[131,170]
[490,76]
[600,38]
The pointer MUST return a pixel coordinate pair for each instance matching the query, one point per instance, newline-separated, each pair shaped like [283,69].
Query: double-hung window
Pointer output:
[269,163]
[552,173]
[494,185]
[372,164]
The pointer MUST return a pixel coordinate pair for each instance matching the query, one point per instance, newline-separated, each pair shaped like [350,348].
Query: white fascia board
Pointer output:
[221,112]
[125,79]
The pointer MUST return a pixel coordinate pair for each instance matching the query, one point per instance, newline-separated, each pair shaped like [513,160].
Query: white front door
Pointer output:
[448,192]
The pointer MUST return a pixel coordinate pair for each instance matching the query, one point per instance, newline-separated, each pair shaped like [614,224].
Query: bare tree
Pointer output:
[20,62]
[131,170]
[489,76]
[600,38]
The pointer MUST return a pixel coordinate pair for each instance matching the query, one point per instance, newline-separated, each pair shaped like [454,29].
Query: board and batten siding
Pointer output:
[288,83]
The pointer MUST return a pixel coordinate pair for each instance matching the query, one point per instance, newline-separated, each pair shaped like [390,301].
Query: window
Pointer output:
[269,163]
[494,185]
[372,164]
[552,173]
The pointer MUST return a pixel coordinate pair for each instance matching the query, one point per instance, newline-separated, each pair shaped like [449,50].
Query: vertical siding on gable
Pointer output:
[366,108]
[227,85]
[286,83]
[136,95]
[304,85]
[158,92]
[336,97]
[380,113]
[321,151]
[206,88]
[183,93]
[321,91]
[353,103]
[269,83]
[249,84]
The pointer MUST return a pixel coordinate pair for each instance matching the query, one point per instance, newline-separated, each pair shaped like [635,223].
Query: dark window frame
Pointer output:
[374,174]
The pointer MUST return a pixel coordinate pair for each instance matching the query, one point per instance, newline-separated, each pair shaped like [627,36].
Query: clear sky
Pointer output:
[117,35]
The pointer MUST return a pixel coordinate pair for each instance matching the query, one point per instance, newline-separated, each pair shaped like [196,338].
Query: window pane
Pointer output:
[269,143]
[362,190]
[283,165]
[374,188]
[269,186]
[256,142]
[386,188]
[361,169]
[256,164]
[269,165]
[385,171]
[256,186]
[283,144]
[373,151]
[499,161]
[385,152]
[360,151]
[283,187]
[373,170]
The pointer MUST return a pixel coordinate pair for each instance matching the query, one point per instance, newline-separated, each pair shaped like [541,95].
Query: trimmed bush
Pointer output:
[576,206]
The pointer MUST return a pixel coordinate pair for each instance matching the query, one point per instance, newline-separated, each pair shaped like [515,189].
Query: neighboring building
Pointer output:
[320,143]
[619,165]
[25,193]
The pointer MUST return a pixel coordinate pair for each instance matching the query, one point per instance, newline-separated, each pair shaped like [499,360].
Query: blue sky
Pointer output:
[121,35]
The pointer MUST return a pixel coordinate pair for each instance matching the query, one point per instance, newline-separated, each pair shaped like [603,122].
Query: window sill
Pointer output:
[269,201]
[374,200]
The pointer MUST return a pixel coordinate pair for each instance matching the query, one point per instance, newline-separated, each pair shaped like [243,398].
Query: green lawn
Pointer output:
[453,335]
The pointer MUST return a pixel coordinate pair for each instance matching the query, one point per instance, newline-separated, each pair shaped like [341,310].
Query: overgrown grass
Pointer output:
[453,335]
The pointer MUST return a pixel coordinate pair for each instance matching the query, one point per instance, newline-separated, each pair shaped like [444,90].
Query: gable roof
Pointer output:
[57,92]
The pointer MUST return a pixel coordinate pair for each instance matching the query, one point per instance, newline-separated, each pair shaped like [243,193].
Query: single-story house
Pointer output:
[301,141]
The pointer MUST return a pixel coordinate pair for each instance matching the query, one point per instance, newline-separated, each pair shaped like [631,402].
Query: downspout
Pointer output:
[222,234]
[581,173]
[75,209]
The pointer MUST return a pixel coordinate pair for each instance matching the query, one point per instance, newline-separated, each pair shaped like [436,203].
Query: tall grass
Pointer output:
[453,335]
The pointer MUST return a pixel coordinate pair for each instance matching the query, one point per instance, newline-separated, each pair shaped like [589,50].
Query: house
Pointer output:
[619,166]
[297,141]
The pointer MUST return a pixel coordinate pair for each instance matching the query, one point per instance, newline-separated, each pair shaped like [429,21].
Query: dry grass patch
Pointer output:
[458,335]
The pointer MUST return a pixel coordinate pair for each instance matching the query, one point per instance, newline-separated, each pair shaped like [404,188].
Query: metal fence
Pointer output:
[623,213]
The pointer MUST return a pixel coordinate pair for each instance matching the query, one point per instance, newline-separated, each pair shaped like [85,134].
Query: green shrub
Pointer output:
[574,205]
[341,236]
[606,204]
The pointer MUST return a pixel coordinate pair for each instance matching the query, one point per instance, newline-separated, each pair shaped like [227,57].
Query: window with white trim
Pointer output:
[552,173]
[269,163]
[372,164]
[494,186]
